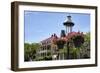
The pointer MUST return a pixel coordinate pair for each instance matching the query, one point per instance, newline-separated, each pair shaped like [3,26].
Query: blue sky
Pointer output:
[41,25]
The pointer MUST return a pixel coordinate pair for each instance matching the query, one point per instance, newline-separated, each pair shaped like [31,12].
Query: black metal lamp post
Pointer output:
[68,24]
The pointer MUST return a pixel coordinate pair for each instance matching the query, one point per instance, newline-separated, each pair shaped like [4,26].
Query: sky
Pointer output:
[41,25]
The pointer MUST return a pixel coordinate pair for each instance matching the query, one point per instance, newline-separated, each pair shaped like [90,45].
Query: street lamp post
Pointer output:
[68,24]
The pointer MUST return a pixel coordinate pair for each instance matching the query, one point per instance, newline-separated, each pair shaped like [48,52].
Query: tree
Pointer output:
[26,51]
[30,51]
[87,37]
[86,46]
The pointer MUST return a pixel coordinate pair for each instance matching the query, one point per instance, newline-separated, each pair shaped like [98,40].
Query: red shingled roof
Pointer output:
[54,37]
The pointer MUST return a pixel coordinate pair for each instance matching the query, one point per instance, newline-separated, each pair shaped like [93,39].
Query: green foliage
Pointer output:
[48,53]
[63,50]
[44,58]
[87,37]
[35,46]
[75,52]
[27,47]
[48,58]
[30,51]
[40,58]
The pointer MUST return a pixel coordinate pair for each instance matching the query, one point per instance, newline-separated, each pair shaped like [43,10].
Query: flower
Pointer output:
[76,37]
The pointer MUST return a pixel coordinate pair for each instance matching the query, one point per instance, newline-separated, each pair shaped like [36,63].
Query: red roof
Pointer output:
[54,37]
